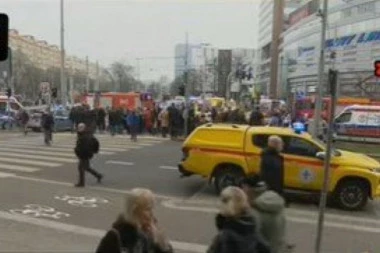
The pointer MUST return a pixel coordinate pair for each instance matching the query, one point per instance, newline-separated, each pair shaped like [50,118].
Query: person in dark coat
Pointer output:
[237,227]
[174,121]
[272,165]
[256,118]
[84,150]
[136,229]
[101,119]
[47,124]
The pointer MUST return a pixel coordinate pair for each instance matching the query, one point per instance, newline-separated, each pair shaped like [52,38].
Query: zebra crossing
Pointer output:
[30,155]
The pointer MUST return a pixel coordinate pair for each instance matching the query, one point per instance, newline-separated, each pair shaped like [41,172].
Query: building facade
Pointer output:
[353,36]
[272,14]
[202,59]
[44,55]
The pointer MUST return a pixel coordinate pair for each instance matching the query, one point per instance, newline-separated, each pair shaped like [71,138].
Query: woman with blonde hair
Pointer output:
[135,230]
[237,231]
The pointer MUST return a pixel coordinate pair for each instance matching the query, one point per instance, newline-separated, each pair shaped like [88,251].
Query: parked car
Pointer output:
[61,120]
[224,154]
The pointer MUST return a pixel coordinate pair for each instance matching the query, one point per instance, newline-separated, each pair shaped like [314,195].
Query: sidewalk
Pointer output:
[21,237]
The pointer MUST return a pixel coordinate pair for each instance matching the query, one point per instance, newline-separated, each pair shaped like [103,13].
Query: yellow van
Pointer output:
[224,154]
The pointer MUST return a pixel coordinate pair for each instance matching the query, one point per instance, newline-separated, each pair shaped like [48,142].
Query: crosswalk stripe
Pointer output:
[63,147]
[17,168]
[112,145]
[38,157]
[21,150]
[28,162]
[101,148]
[5,175]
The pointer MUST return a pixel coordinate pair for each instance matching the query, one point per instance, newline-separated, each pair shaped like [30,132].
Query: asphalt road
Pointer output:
[40,204]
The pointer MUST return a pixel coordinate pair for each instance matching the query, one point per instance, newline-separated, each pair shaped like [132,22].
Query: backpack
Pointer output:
[95,145]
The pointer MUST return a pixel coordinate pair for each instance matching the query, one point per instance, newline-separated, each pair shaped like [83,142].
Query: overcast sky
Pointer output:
[108,30]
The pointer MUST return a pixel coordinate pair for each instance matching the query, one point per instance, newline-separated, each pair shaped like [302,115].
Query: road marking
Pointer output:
[164,167]
[120,163]
[6,175]
[294,216]
[98,233]
[38,152]
[18,168]
[111,145]
[82,201]
[51,148]
[29,162]
[38,157]
[97,188]
[68,146]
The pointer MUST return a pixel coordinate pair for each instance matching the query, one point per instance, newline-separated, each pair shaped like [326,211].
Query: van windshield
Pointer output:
[344,117]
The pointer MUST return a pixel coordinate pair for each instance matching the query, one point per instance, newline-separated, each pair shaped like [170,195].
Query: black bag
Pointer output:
[95,145]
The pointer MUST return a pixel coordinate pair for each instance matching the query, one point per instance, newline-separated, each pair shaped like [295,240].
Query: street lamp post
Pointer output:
[321,72]
[63,78]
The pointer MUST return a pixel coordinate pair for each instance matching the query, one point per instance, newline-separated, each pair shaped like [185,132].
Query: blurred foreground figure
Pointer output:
[136,229]
[237,227]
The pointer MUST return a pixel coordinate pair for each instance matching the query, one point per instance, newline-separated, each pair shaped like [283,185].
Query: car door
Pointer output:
[302,169]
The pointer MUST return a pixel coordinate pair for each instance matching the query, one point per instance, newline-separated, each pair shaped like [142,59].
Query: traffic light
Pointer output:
[9,92]
[4,29]
[181,90]
[54,92]
[333,80]
[377,68]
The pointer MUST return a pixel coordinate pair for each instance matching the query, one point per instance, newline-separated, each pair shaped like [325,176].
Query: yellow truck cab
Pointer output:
[225,153]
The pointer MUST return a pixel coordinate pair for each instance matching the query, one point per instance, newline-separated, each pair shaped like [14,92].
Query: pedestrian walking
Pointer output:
[133,121]
[136,229]
[87,145]
[272,165]
[269,209]
[101,119]
[47,125]
[163,117]
[112,121]
[237,227]
[24,119]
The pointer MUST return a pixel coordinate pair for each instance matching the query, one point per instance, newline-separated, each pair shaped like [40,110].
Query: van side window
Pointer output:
[260,140]
[344,117]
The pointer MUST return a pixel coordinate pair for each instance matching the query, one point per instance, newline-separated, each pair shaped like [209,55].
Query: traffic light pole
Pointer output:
[333,83]
[321,72]
[187,90]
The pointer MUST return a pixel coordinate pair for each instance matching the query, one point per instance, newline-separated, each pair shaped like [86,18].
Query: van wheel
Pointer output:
[351,195]
[227,176]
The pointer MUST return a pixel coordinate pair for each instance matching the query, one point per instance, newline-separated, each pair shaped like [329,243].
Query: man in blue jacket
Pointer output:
[133,121]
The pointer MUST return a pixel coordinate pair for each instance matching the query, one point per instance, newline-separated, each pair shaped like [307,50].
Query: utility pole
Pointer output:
[187,88]
[63,78]
[96,88]
[321,72]
[87,75]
